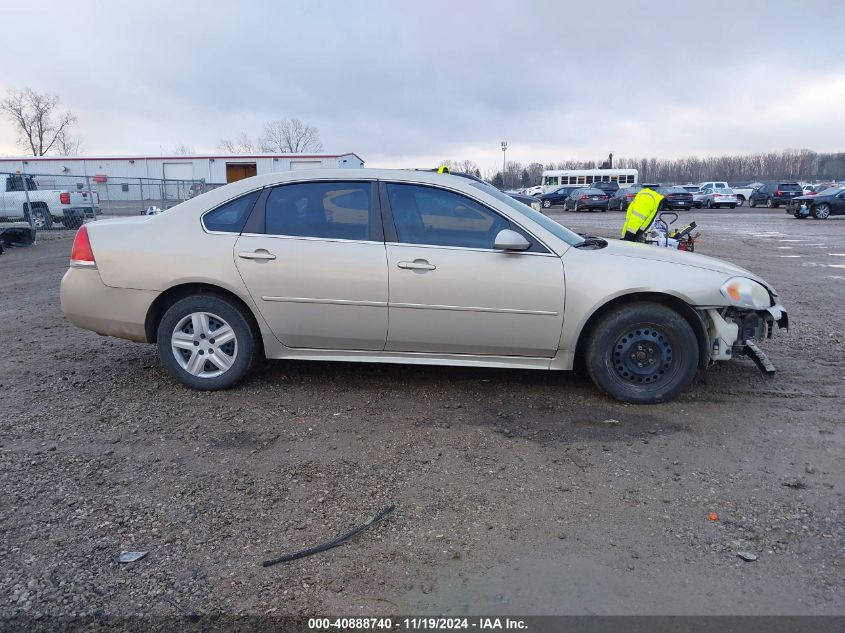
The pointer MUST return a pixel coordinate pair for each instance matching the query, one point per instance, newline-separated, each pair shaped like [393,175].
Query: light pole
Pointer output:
[504,160]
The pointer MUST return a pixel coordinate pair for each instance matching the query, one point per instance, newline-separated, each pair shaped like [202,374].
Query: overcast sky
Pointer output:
[412,83]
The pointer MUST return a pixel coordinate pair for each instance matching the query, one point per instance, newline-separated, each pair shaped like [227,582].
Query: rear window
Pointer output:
[789,186]
[592,192]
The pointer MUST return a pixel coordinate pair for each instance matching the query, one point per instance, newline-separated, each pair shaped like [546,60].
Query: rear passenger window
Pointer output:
[331,210]
[230,217]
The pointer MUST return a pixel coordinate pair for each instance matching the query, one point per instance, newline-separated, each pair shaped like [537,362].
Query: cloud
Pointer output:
[404,84]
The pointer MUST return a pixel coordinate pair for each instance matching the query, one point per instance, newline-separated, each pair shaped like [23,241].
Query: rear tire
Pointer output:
[546,204]
[187,347]
[643,353]
[41,218]
[740,201]
[733,206]
[73,222]
[752,203]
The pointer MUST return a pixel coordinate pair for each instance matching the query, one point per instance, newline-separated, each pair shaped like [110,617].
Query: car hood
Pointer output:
[619,248]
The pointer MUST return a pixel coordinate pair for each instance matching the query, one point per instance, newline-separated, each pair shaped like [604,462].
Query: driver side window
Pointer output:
[435,217]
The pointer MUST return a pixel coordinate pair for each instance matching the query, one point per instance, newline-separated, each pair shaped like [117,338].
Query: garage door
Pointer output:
[305,164]
[178,172]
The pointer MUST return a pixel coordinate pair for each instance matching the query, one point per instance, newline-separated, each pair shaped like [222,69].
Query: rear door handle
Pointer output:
[417,264]
[257,254]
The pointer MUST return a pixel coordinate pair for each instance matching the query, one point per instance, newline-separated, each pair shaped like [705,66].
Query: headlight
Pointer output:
[745,293]
[535,206]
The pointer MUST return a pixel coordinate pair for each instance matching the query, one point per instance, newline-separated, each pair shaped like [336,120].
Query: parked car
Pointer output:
[531,201]
[698,198]
[743,192]
[675,198]
[464,274]
[717,184]
[608,187]
[622,198]
[619,201]
[586,199]
[558,196]
[775,194]
[821,206]
[812,190]
[70,207]
[718,198]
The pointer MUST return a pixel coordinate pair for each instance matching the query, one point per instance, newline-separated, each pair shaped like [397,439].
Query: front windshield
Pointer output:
[560,232]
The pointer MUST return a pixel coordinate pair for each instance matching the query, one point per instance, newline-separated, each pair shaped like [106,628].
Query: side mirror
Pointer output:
[507,240]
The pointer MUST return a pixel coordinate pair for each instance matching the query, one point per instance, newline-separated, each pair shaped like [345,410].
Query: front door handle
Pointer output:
[257,254]
[417,264]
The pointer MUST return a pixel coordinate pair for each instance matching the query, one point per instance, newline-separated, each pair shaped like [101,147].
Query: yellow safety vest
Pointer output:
[444,169]
[641,211]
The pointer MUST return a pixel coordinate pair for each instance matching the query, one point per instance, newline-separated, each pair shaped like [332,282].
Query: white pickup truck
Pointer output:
[47,206]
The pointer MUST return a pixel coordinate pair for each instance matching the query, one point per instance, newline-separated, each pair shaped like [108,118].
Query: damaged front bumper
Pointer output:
[736,331]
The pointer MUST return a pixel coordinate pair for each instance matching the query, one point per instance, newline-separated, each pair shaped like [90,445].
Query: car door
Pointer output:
[452,292]
[313,259]
[838,203]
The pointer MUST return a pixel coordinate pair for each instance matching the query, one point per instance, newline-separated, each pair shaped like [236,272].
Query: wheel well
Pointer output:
[680,306]
[174,294]
[35,205]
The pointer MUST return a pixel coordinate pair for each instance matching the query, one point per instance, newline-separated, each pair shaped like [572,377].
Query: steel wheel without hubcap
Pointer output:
[642,353]
[821,211]
[642,356]
[204,345]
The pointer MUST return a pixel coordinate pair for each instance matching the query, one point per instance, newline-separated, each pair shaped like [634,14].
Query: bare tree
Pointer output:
[535,173]
[67,145]
[290,136]
[183,150]
[37,118]
[240,145]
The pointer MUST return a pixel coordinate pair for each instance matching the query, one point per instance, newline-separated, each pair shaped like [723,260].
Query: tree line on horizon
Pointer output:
[791,164]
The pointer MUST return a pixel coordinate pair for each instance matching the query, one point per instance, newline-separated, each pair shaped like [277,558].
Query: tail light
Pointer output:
[64,197]
[777,192]
[585,197]
[81,254]
[630,196]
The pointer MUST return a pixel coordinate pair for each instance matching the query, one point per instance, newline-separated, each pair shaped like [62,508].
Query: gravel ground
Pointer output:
[516,491]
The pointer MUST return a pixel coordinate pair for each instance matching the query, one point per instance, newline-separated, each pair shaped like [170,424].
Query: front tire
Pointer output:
[821,211]
[740,201]
[208,342]
[643,353]
[752,203]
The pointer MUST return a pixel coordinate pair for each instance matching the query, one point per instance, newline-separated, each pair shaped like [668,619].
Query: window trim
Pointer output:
[391,236]
[256,225]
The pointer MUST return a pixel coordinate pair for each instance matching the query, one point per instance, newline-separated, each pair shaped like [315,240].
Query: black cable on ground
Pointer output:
[333,543]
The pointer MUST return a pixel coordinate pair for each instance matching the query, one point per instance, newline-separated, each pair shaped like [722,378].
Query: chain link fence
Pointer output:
[32,203]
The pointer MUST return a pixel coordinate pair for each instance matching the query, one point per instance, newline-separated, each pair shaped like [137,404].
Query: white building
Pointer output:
[216,168]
